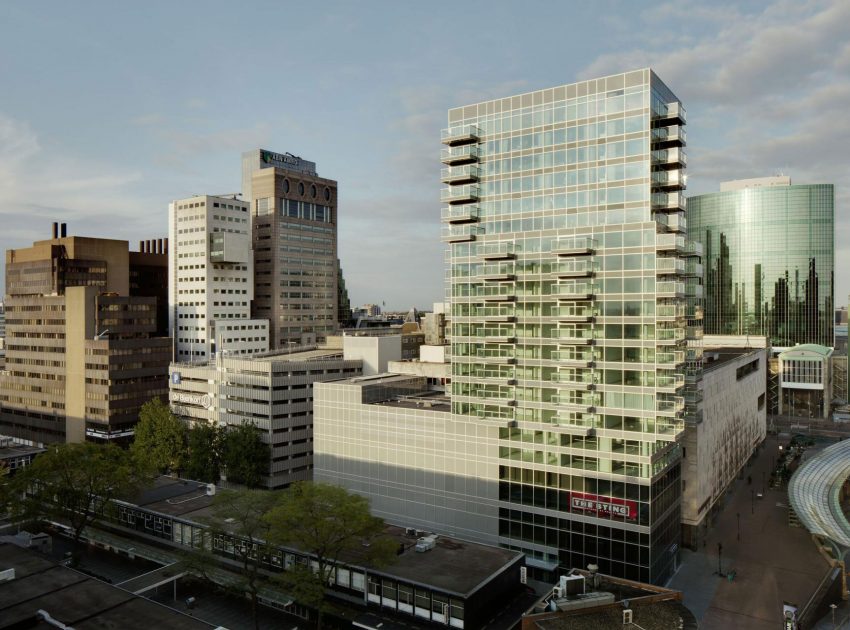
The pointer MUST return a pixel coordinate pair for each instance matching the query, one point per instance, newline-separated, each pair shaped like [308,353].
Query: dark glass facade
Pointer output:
[768,259]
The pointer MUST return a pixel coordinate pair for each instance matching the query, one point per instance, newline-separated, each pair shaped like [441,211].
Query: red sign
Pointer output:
[603,506]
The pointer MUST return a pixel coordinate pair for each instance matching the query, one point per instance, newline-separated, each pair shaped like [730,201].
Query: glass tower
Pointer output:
[769,261]
[574,294]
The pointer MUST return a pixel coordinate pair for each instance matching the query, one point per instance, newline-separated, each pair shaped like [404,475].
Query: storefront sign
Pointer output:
[603,506]
[201,400]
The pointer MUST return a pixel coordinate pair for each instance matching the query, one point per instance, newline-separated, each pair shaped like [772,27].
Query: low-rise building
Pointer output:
[805,381]
[734,424]
[273,392]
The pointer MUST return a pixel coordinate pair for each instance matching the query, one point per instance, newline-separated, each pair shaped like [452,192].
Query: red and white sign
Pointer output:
[603,506]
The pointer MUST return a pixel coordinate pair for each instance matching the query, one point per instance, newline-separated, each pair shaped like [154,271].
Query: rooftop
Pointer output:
[432,400]
[74,598]
[718,356]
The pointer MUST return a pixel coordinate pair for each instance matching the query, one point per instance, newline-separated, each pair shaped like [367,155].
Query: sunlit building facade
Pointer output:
[575,324]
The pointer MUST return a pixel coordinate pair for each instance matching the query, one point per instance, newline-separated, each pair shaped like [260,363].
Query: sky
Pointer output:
[110,110]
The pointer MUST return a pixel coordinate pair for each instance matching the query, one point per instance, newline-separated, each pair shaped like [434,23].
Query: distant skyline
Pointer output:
[110,111]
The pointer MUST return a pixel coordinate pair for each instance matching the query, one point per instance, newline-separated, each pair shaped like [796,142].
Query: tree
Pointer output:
[160,440]
[328,523]
[76,484]
[204,459]
[244,455]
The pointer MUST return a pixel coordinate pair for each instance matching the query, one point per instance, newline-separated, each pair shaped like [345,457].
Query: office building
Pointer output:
[734,424]
[805,381]
[211,279]
[294,222]
[274,392]
[82,355]
[769,248]
[574,320]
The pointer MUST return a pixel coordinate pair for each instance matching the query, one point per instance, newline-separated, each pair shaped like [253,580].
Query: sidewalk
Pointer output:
[773,562]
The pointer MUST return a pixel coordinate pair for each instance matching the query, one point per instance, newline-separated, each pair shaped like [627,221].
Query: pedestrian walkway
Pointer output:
[773,562]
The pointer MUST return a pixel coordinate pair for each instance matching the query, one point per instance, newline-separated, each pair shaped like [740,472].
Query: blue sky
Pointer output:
[110,110]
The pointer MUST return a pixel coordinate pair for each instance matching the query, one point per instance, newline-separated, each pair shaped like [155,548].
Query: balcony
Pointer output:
[669,312]
[504,293]
[694,333]
[571,358]
[460,214]
[577,423]
[669,158]
[496,335]
[668,180]
[574,246]
[586,403]
[580,379]
[574,314]
[493,376]
[670,243]
[669,202]
[495,251]
[695,291]
[575,291]
[575,336]
[501,355]
[460,174]
[669,289]
[694,268]
[495,314]
[671,406]
[675,115]
[459,194]
[579,268]
[672,358]
[461,233]
[499,272]
[668,137]
[669,336]
[693,248]
[669,382]
[463,154]
[669,266]
[460,134]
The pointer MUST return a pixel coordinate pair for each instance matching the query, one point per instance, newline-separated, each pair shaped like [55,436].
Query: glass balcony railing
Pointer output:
[460,174]
[460,133]
[574,313]
[669,266]
[668,201]
[495,251]
[575,335]
[670,358]
[674,112]
[497,291]
[460,214]
[573,377]
[571,356]
[670,289]
[669,311]
[462,154]
[670,242]
[668,179]
[670,381]
[576,268]
[673,405]
[575,290]
[669,136]
[670,158]
[575,245]
[586,401]
[495,353]
[494,312]
[578,419]
[460,194]
[460,233]
[669,335]
[498,270]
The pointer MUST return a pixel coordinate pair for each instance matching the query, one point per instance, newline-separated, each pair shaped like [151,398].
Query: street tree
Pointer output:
[244,455]
[160,438]
[329,524]
[75,484]
[203,462]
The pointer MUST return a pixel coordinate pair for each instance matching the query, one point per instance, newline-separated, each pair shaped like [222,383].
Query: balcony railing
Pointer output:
[576,268]
[670,242]
[495,313]
[669,312]
[574,246]
[673,358]
[573,377]
[668,179]
[669,335]
[693,248]
[460,133]
[460,174]
[574,314]
[673,405]
[669,289]
[499,271]
[675,114]
[461,233]
[669,201]
[665,137]
[575,336]
[575,290]
[495,251]
[671,266]
[460,214]
[460,194]
[570,357]
[669,158]
[670,381]
[463,154]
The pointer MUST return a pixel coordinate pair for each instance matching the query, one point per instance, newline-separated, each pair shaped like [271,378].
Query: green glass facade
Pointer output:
[768,257]
[574,319]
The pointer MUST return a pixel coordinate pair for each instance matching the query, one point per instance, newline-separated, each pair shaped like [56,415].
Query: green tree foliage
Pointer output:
[160,440]
[75,484]
[244,455]
[204,459]
[331,525]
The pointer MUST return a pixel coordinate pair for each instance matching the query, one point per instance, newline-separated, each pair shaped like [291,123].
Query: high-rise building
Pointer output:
[83,350]
[211,271]
[294,219]
[574,314]
[769,259]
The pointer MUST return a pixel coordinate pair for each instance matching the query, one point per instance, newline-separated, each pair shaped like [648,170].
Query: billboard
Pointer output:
[604,507]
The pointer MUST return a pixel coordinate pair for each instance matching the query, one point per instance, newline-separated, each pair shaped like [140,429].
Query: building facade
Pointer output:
[82,355]
[294,218]
[273,392]
[734,425]
[574,315]
[805,381]
[769,259]
[211,279]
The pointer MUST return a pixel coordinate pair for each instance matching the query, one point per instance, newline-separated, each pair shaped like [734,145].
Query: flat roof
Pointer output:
[432,400]
[724,355]
[75,599]
[650,616]
[17,450]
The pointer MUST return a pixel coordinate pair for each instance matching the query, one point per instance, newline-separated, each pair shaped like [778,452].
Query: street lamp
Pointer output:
[833,606]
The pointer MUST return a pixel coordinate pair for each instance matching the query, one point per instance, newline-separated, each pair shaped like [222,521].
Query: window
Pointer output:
[313,191]
[300,188]
[327,194]
[286,185]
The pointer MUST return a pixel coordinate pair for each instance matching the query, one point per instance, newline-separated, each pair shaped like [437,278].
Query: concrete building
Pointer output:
[805,381]
[575,323]
[769,259]
[294,219]
[734,424]
[82,355]
[274,392]
[211,279]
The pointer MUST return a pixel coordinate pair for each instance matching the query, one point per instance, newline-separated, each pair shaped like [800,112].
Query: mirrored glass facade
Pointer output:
[574,319]
[768,256]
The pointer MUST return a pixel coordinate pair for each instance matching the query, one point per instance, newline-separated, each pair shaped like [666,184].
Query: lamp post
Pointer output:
[833,606]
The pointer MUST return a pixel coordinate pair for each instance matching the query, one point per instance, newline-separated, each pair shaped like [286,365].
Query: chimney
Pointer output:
[165,245]
[147,247]
[55,230]
[159,246]
[64,229]
[141,246]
